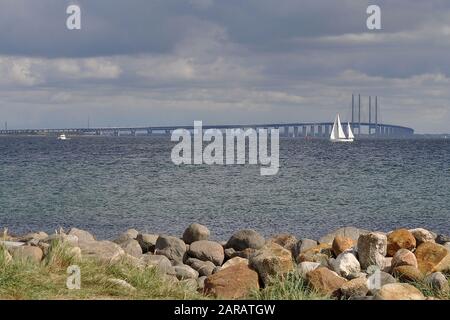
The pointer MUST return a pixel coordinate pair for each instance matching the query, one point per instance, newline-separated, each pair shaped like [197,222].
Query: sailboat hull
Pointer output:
[341,140]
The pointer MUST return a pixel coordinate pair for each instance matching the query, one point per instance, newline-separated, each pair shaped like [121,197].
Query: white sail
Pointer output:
[349,131]
[341,134]
[334,132]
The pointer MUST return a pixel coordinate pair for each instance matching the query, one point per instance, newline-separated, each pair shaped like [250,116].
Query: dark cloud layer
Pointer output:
[173,61]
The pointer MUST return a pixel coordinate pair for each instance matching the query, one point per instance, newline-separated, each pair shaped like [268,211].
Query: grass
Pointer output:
[47,280]
[291,287]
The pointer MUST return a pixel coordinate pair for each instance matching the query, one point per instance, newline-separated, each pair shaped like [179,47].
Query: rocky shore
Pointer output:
[349,263]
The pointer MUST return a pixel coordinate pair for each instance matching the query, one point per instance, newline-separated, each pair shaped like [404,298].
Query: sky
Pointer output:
[170,62]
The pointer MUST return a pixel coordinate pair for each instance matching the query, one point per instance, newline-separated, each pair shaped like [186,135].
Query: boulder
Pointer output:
[271,261]
[304,267]
[207,251]
[127,235]
[371,249]
[378,279]
[246,253]
[303,245]
[399,291]
[147,241]
[171,247]
[341,244]
[285,240]
[347,232]
[195,232]
[355,288]
[320,253]
[325,281]
[235,282]
[162,263]
[183,272]
[27,253]
[235,261]
[404,257]
[387,264]
[400,239]
[82,235]
[432,257]
[229,253]
[33,236]
[102,251]
[442,239]
[346,264]
[422,235]
[69,239]
[204,268]
[438,282]
[131,247]
[244,239]
[408,274]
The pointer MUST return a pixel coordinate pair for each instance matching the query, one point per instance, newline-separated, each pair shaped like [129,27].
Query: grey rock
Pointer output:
[127,235]
[438,282]
[442,239]
[195,232]
[161,262]
[132,248]
[244,239]
[147,241]
[378,279]
[185,272]
[171,247]
[303,245]
[346,264]
[348,232]
[216,269]
[422,235]
[70,239]
[229,253]
[204,268]
[27,253]
[372,249]
[207,251]
[33,236]
[82,235]
[102,251]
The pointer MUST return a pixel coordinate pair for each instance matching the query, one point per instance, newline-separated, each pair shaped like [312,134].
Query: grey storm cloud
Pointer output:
[139,62]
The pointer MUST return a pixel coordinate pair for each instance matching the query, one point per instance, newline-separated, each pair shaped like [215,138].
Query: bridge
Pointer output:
[296,129]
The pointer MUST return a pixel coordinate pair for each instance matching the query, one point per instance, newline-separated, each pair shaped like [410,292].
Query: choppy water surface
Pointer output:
[106,185]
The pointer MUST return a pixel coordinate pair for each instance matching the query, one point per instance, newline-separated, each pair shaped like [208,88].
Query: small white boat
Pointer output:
[62,137]
[338,134]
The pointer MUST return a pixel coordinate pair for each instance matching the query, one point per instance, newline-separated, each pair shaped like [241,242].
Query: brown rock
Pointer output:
[234,261]
[318,253]
[400,239]
[27,253]
[408,273]
[341,244]
[355,288]
[234,282]
[271,261]
[325,281]
[398,291]
[285,240]
[404,257]
[432,257]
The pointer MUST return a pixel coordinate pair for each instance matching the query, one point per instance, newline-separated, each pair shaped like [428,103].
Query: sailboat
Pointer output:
[338,134]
